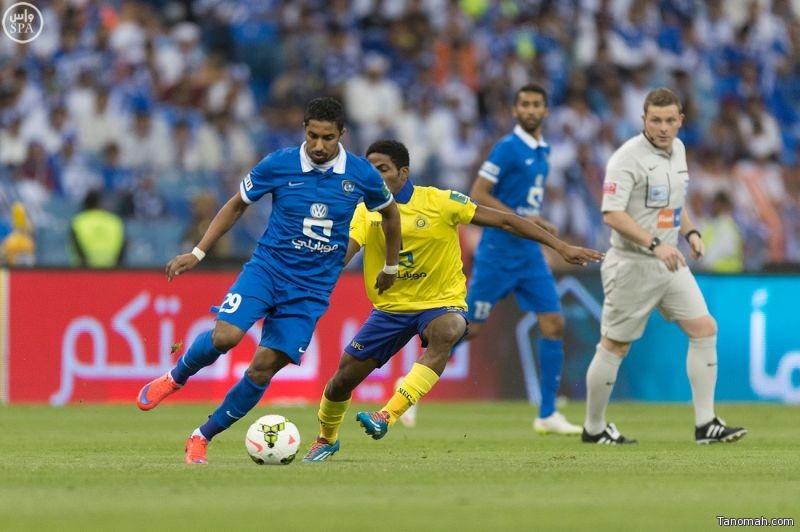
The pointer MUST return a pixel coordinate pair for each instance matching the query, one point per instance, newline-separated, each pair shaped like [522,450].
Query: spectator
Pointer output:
[13,145]
[146,145]
[372,100]
[98,235]
[722,237]
[101,123]
[18,248]
[76,177]
[761,129]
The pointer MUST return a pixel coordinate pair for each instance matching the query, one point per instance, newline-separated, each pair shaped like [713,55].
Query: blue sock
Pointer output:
[200,354]
[240,400]
[551,360]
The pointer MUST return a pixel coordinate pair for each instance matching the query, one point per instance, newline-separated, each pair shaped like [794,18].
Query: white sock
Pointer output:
[600,379]
[701,366]
[198,433]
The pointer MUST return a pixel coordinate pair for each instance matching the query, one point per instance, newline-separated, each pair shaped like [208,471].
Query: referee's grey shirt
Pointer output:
[650,185]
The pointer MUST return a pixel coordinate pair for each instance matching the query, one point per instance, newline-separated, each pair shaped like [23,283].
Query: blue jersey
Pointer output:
[306,239]
[518,166]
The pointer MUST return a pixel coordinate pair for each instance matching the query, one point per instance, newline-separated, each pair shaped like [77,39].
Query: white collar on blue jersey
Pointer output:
[529,139]
[339,164]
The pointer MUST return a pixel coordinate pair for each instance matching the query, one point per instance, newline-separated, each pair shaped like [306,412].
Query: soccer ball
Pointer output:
[272,440]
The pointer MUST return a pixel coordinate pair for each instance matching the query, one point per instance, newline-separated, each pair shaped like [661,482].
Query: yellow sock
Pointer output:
[331,414]
[417,383]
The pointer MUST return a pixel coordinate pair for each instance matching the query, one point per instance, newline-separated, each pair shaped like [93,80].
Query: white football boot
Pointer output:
[555,423]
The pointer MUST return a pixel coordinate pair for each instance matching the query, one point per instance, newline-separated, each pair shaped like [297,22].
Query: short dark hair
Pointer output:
[93,199]
[531,87]
[662,97]
[396,151]
[325,110]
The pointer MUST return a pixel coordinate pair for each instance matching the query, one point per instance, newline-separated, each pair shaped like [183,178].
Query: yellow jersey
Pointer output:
[430,274]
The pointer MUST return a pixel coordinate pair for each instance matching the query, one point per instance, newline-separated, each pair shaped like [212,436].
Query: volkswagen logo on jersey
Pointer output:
[348,186]
[319,210]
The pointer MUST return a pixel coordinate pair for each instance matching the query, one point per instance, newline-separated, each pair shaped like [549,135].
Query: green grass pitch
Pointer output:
[473,466]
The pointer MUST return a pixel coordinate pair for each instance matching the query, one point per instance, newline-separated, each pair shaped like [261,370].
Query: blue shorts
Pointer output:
[532,283]
[290,312]
[385,333]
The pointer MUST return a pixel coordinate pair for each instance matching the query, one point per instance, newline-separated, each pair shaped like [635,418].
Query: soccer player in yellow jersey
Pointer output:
[428,297]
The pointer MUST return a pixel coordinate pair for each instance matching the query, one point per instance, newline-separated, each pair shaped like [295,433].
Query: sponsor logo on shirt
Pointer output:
[319,210]
[357,346]
[411,276]
[459,197]
[610,188]
[318,230]
[314,245]
[668,218]
[407,263]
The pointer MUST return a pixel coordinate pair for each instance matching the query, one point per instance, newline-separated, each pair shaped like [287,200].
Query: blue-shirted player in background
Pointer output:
[315,189]
[512,179]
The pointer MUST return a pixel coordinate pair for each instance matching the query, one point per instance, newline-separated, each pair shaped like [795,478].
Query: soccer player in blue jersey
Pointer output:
[315,189]
[512,179]
[428,298]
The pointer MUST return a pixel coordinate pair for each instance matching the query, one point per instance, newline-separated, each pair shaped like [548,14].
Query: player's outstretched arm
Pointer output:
[352,249]
[221,224]
[390,224]
[519,226]
[481,193]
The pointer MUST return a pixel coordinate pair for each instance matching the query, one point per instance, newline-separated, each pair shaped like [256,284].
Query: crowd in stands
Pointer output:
[164,105]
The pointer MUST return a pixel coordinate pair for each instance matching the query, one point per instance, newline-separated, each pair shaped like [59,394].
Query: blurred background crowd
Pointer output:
[161,107]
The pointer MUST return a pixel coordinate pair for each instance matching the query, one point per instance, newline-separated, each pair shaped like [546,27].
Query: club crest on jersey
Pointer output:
[421,222]
[348,186]
[658,193]
[319,210]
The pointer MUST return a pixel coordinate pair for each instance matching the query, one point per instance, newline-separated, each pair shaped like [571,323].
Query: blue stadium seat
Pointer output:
[53,245]
[152,243]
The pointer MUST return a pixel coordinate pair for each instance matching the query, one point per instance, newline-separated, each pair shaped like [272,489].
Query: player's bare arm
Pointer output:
[221,224]
[522,227]
[696,246]
[481,192]
[390,223]
[626,226]
[352,249]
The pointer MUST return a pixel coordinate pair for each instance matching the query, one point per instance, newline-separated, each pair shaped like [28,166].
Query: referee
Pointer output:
[643,199]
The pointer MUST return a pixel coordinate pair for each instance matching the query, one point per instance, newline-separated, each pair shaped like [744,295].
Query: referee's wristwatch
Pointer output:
[654,243]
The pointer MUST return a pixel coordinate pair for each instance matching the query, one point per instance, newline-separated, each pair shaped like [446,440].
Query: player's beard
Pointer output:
[532,125]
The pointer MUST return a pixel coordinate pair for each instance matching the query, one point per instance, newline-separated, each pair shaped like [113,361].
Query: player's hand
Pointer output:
[580,256]
[671,256]
[384,281]
[544,224]
[696,247]
[180,264]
